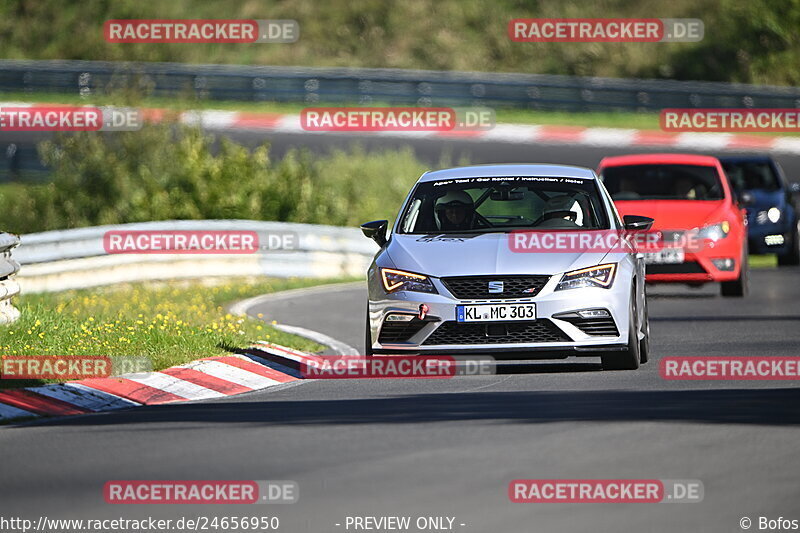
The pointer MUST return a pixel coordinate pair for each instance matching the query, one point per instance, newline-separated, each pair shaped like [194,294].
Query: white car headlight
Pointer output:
[774,214]
[400,280]
[715,232]
[597,276]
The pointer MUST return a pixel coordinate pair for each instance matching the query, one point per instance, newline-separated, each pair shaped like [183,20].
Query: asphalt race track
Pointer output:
[451,447]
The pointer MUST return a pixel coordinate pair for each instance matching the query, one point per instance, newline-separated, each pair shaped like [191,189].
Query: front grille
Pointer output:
[397,331]
[599,327]
[689,267]
[453,332]
[477,287]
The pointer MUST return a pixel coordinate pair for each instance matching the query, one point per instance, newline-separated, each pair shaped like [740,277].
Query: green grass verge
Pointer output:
[504,115]
[169,323]
[764,261]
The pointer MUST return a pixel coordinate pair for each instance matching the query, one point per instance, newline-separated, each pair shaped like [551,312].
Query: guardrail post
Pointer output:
[8,285]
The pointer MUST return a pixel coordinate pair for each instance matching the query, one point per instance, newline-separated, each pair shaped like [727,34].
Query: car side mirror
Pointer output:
[746,199]
[637,222]
[376,230]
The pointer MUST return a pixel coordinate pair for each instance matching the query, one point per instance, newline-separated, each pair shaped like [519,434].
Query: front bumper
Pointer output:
[769,238]
[551,335]
[700,267]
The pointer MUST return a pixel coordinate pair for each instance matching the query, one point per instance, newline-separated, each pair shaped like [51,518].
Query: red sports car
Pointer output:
[697,217]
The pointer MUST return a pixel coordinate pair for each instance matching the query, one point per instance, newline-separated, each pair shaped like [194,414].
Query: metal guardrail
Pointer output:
[395,86]
[73,259]
[8,285]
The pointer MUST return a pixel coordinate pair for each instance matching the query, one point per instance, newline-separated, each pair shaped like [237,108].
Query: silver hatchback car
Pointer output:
[455,277]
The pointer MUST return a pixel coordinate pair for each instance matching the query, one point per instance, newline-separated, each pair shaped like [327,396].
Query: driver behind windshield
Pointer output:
[559,212]
[455,211]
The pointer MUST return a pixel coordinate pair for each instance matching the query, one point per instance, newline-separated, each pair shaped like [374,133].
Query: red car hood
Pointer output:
[674,214]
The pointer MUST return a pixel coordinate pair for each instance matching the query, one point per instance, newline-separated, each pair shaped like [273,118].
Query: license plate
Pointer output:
[665,256]
[495,312]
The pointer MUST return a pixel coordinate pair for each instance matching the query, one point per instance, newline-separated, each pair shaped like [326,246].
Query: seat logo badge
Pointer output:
[495,287]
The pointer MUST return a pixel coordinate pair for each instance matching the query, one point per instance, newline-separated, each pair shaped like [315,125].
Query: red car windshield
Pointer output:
[663,182]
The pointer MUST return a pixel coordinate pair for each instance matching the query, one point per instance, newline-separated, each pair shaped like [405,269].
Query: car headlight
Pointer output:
[715,232]
[399,280]
[774,214]
[596,276]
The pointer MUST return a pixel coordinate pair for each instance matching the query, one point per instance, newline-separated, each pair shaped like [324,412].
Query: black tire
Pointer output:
[741,285]
[368,337]
[644,344]
[629,359]
[792,256]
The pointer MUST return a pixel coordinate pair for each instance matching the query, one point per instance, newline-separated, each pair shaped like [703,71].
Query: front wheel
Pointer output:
[792,256]
[629,359]
[644,344]
[367,336]
[741,285]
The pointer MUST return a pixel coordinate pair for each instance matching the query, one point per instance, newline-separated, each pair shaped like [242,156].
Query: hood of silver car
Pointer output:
[477,254]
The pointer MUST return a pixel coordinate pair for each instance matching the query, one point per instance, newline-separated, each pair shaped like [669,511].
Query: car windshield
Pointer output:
[499,204]
[751,175]
[662,182]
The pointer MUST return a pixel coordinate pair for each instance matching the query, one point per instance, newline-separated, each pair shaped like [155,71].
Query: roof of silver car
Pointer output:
[486,171]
